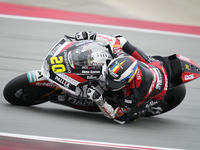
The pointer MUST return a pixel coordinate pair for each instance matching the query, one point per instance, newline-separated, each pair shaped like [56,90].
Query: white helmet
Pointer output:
[121,72]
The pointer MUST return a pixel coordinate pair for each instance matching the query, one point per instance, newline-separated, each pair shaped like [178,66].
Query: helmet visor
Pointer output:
[113,85]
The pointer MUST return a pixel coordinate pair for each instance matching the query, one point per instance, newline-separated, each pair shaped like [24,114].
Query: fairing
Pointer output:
[69,64]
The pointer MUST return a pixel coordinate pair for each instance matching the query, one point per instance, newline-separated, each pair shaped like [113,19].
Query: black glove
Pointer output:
[85,36]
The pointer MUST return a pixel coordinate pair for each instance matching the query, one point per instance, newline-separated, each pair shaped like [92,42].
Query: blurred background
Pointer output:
[186,12]
[25,43]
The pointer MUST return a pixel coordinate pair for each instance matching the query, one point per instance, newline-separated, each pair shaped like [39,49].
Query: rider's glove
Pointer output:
[156,110]
[85,35]
[95,96]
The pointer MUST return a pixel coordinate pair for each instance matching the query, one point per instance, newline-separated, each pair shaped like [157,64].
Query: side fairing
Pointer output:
[68,64]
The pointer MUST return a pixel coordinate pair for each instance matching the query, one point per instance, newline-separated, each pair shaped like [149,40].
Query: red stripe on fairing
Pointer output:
[189,76]
[68,45]
[186,59]
[20,10]
[76,77]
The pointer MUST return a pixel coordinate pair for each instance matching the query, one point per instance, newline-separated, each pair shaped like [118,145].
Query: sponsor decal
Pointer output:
[184,58]
[62,82]
[187,66]
[91,71]
[91,77]
[69,79]
[96,64]
[57,46]
[55,49]
[128,101]
[92,67]
[47,84]
[80,102]
[159,78]
[151,103]
[189,77]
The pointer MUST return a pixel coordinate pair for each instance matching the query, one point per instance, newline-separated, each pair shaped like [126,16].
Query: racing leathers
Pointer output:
[149,83]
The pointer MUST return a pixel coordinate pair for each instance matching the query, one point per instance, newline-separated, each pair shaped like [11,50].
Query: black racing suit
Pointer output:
[150,82]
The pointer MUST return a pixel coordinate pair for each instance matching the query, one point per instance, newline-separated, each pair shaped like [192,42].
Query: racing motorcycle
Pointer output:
[72,66]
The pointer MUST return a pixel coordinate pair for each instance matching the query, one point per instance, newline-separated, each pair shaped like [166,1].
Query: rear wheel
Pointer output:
[19,92]
[173,98]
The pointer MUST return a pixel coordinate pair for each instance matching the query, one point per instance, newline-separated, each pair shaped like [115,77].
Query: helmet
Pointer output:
[120,72]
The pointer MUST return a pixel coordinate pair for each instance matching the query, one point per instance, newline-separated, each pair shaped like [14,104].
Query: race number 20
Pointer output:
[57,65]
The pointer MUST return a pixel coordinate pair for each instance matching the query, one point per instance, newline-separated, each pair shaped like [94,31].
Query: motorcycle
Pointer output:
[72,66]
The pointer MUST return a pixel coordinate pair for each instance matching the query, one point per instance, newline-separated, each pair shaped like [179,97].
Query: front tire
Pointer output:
[19,92]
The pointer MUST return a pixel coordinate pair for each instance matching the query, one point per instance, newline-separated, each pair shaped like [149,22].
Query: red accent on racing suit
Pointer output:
[150,82]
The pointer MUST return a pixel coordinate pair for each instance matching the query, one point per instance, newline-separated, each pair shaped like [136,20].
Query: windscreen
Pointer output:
[88,54]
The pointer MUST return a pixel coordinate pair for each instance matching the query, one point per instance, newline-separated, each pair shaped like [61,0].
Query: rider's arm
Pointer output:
[116,44]
[112,43]
[128,48]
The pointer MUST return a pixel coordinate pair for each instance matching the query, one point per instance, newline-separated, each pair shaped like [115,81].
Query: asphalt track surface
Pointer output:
[24,44]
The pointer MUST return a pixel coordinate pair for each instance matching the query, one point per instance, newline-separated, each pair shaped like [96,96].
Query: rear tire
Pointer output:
[173,98]
[19,92]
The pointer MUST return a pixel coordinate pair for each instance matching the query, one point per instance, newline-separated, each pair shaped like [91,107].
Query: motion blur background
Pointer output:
[25,43]
[186,12]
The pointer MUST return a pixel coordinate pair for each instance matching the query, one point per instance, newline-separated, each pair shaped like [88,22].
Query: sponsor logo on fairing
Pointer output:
[187,66]
[69,79]
[55,49]
[91,71]
[62,82]
[184,58]
[80,102]
[47,84]
[91,77]
[189,77]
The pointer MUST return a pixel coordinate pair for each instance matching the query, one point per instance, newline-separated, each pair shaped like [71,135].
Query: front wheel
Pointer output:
[19,92]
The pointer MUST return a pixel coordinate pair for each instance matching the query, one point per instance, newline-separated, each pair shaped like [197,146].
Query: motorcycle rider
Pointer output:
[140,76]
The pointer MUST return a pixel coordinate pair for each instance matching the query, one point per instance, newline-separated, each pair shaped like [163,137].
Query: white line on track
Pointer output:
[83,142]
[98,25]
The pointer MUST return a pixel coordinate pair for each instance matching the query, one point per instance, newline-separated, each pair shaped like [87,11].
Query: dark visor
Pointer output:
[112,85]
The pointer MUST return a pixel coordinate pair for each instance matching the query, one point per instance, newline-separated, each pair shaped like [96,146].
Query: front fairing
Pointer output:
[70,63]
